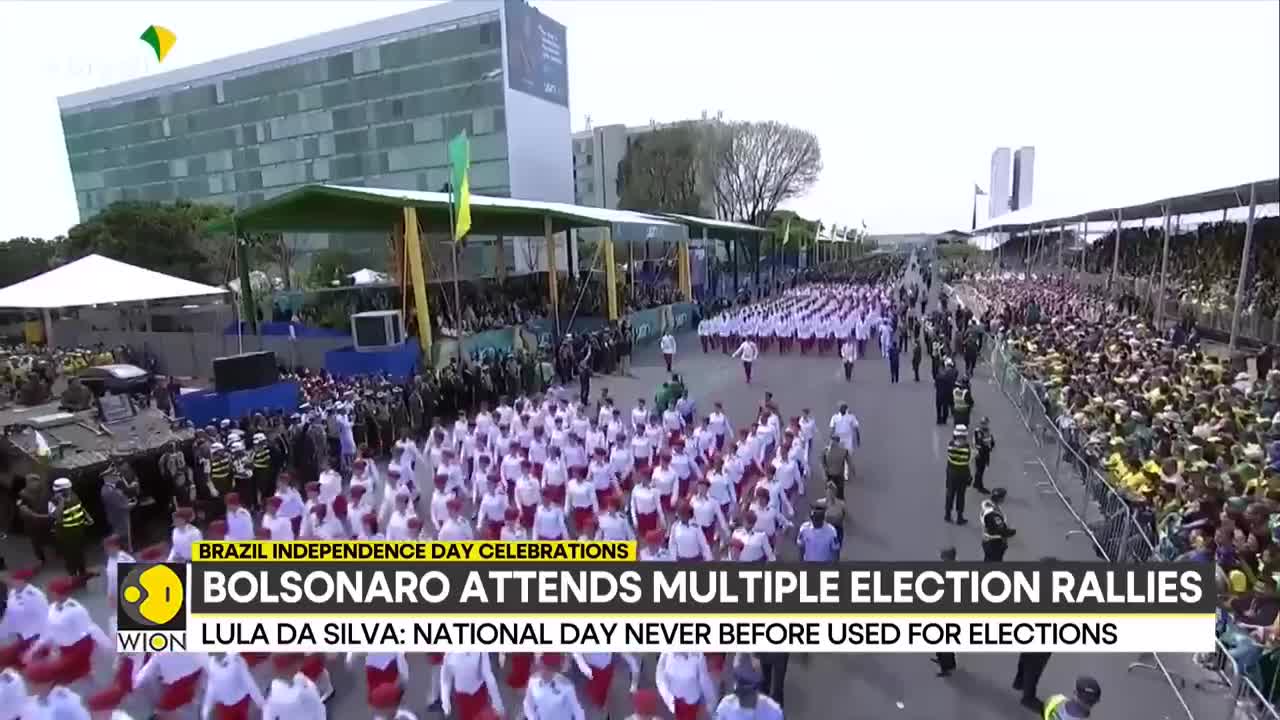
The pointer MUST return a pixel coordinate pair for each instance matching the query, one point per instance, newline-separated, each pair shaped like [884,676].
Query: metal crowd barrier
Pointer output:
[1120,532]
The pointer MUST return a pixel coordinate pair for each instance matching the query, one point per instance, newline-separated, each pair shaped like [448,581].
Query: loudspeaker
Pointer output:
[245,372]
[377,330]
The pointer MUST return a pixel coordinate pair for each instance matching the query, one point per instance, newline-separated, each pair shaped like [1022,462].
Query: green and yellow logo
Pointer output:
[160,39]
[151,597]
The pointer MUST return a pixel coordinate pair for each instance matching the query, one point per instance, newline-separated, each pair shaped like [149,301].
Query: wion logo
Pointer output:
[150,605]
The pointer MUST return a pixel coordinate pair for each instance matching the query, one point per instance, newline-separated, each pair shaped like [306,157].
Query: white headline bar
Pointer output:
[1117,634]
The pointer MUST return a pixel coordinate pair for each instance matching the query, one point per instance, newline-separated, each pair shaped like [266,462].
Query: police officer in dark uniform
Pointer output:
[995,531]
[958,456]
[263,473]
[983,443]
[961,402]
[944,384]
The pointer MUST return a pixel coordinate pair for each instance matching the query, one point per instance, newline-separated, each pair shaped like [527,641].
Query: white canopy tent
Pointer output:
[97,280]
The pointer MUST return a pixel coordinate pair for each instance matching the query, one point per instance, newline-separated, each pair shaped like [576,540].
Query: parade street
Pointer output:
[895,508]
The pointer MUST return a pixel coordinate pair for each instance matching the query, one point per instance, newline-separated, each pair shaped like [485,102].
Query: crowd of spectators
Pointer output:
[1190,444]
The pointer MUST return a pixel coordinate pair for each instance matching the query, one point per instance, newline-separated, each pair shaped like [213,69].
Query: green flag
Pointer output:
[460,187]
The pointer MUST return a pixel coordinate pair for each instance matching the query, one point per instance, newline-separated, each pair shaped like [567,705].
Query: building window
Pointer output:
[588,158]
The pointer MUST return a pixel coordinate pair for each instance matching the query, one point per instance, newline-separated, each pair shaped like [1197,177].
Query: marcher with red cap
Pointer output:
[279,528]
[184,536]
[71,633]
[293,696]
[179,675]
[491,513]
[551,695]
[747,352]
[455,528]
[381,669]
[314,668]
[385,702]
[230,690]
[645,704]
[512,530]
[48,700]
[13,694]
[239,520]
[598,669]
[26,613]
[549,522]
[687,542]
[655,548]
[685,684]
[467,683]
[613,523]
[291,506]
[581,500]
[369,528]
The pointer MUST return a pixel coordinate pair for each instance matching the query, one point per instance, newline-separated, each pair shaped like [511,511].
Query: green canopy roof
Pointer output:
[338,208]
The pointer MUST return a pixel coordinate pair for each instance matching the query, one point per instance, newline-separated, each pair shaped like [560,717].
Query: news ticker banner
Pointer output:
[579,597]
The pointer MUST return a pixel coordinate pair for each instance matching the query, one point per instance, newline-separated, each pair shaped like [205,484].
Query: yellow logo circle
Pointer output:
[153,596]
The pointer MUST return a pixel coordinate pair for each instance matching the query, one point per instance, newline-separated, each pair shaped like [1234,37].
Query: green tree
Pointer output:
[167,238]
[23,258]
[329,268]
[662,172]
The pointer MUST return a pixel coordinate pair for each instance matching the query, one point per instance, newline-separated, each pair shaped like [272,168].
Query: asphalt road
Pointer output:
[895,504]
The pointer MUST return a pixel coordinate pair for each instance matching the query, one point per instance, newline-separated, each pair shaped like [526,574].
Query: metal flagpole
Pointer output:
[457,292]
[1115,254]
[1244,267]
[1164,268]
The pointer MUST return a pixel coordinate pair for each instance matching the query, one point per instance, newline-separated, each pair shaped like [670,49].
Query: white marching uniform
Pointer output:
[554,699]
[297,699]
[229,682]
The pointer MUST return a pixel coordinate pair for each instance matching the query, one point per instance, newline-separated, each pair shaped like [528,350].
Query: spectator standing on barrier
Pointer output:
[995,532]
[1031,666]
[1061,707]
[983,443]
[946,661]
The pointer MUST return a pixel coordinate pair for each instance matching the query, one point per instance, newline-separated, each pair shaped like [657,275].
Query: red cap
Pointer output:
[23,574]
[43,671]
[274,502]
[319,510]
[358,464]
[313,666]
[285,662]
[313,487]
[552,660]
[184,513]
[62,587]
[762,493]
[370,519]
[111,541]
[683,509]
[749,517]
[415,523]
[262,534]
[155,553]
[645,701]
[108,698]
[217,529]
[737,544]
[385,697]
[588,524]
[613,502]
[232,499]
[653,537]
[512,514]
[455,503]
[357,491]
[340,506]
[486,713]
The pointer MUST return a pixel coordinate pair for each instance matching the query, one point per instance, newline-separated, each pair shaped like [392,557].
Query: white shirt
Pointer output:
[687,541]
[513,534]
[279,526]
[549,524]
[731,709]
[639,416]
[645,501]
[528,493]
[684,676]
[708,513]
[668,344]
[614,526]
[466,673]
[845,427]
[169,667]
[239,525]
[69,623]
[296,700]
[552,700]
[455,531]
[111,571]
[60,704]
[183,538]
[664,480]
[581,495]
[755,546]
[747,351]
[228,681]
[493,509]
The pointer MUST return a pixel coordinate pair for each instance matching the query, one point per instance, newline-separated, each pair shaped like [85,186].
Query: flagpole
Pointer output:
[457,292]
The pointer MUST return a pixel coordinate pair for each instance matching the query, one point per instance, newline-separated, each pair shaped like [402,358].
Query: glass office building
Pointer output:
[371,105]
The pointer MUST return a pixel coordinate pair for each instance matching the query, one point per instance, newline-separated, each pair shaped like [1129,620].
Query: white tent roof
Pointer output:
[98,280]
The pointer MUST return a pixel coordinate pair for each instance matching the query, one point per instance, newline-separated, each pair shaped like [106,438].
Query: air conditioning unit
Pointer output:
[378,330]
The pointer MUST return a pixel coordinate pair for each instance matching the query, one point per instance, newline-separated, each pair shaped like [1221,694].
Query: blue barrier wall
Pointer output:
[204,406]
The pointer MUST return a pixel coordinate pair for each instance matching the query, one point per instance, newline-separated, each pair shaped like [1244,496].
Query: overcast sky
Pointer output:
[1123,101]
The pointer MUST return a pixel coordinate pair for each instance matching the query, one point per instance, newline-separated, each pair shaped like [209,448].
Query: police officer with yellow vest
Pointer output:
[70,523]
[995,532]
[264,477]
[1061,707]
[220,480]
[958,456]
[961,402]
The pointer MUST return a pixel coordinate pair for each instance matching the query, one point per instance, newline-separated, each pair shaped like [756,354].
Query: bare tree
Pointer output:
[662,172]
[756,166]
